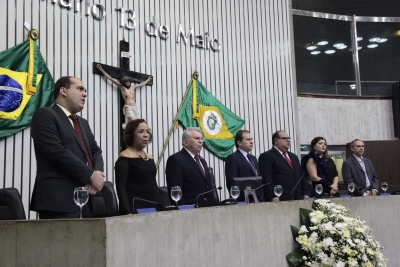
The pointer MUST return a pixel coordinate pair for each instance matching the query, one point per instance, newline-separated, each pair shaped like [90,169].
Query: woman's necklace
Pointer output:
[145,158]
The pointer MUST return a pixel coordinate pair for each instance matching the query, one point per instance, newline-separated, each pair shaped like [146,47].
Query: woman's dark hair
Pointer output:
[129,132]
[315,141]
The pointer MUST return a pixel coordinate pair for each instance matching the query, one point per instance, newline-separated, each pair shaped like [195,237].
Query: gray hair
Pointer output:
[186,133]
[352,144]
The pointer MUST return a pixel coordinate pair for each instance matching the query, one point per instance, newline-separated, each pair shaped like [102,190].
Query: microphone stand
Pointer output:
[143,200]
[296,185]
[209,191]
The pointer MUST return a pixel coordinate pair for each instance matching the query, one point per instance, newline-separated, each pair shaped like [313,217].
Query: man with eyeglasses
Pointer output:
[190,171]
[278,166]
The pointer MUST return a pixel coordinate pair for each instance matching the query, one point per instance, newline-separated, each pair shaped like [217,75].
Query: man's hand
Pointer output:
[305,196]
[374,193]
[97,180]
[275,199]
[90,188]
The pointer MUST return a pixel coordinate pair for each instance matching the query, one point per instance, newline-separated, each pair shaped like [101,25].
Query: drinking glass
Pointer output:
[235,192]
[81,197]
[384,186]
[351,188]
[319,189]
[278,190]
[176,194]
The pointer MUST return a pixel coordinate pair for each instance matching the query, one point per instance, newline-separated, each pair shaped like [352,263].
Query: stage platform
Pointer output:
[239,235]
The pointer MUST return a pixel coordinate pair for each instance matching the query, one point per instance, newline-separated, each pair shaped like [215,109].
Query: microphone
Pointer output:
[211,171]
[209,191]
[262,186]
[296,185]
[143,200]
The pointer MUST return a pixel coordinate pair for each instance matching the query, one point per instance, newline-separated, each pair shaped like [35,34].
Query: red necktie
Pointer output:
[196,157]
[288,161]
[80,137]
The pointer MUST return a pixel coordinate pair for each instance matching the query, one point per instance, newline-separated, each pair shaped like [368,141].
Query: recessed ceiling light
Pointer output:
[352,86]
[316,52]
[338,44]
[311,47]
[323,43]
[343,46]
[359,38]
[382,40]
[359,47]
[372,45]
[375,39]
[330,51]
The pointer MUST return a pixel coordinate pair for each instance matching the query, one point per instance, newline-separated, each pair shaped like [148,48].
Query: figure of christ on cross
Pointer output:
[130,110]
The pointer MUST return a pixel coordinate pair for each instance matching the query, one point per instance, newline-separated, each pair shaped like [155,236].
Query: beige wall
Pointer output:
[343,120]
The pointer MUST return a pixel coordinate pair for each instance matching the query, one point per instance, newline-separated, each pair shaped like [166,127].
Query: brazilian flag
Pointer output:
[218,124]
[25,85]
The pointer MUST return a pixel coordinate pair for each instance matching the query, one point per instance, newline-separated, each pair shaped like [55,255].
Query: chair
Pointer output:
[105,202]
[11,207]
[165,196]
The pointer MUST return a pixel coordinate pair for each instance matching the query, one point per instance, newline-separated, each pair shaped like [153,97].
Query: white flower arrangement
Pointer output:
[331,236]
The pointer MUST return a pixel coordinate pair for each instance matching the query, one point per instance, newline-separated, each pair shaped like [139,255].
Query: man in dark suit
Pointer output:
[360,171]
[241,163]
[280,167]
[67,154]
[190,171]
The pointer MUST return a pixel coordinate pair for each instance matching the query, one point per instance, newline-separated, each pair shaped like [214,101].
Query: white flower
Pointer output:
[340,226]
[303,229]
[327,242]
[340,264]
[304,258]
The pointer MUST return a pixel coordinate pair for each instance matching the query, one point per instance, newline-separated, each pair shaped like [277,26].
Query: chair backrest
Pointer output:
[11,207]
[164,195]
[106,204]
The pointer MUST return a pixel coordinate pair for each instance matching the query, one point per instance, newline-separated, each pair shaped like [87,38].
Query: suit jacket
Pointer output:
[61,160]
[276,171]
[353,173]
[237,165]
[182,170]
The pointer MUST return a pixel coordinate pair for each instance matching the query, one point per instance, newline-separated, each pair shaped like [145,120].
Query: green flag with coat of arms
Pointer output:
[25,85]
[218,124]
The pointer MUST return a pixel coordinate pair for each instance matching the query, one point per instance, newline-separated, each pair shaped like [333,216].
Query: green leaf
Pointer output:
[295,232]
[295,257]
[305,217]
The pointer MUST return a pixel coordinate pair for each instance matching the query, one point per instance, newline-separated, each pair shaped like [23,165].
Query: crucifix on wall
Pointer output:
[123,79]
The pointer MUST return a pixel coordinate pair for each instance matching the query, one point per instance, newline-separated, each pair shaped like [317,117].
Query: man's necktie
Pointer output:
[80,137]
[252,164]
[288,161]
[196,157]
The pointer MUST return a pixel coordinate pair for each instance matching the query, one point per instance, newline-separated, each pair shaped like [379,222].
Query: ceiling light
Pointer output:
[338,45]
[352,86]
[372,45]
[382,40]
[375,39]
[330,51]
[311,47]
[323,43]
[316,52]
[342,46]
[359,38]
[360,47]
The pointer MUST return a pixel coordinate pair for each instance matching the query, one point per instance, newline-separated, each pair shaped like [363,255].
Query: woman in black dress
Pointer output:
[135,170]
[320,167]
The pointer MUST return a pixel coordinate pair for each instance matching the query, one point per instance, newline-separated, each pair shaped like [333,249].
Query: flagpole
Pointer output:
[171,130]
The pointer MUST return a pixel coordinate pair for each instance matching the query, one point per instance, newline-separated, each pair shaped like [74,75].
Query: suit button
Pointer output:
[205,198]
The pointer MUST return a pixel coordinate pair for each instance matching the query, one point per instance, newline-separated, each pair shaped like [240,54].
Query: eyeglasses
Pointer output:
[284,138]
